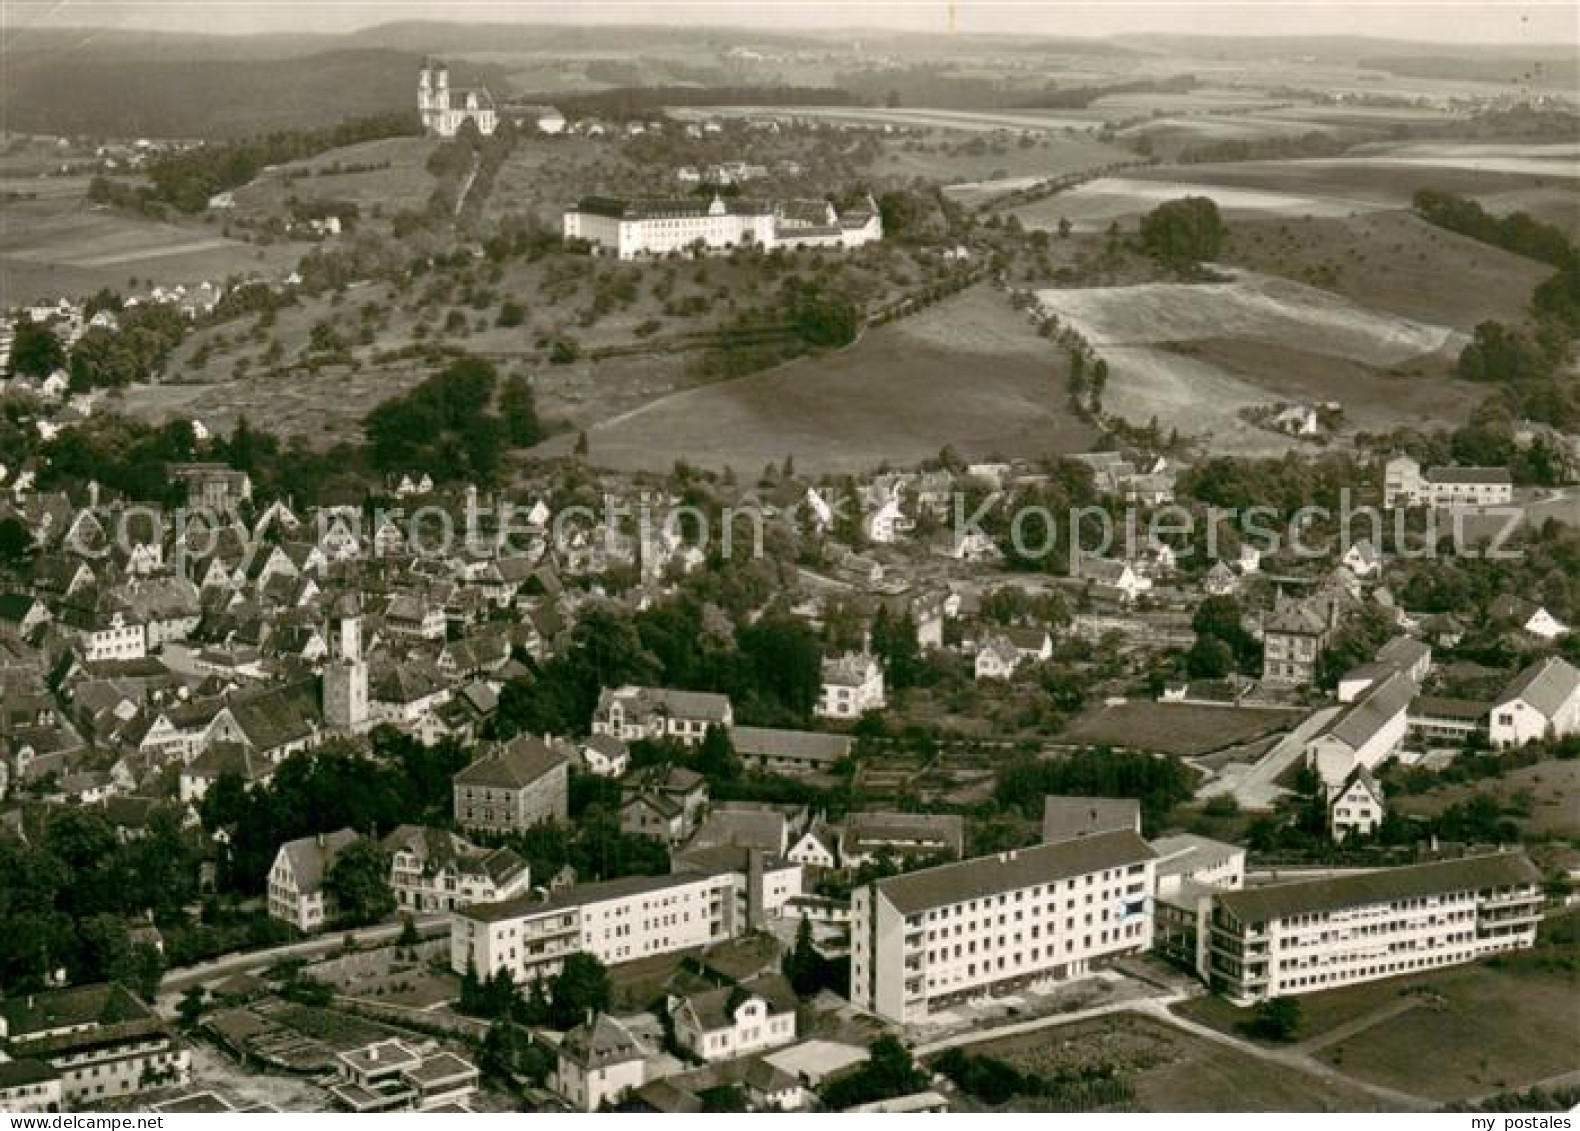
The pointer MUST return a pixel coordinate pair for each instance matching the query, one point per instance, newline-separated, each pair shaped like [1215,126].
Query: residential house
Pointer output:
[414,617]
[1362,559]
[516,785]
[21,615]
[1543,701]
[631,713]
[817,847]
[434,870]
[1526,616]
[604,756]
[1220,580]
[852,685]
[296,880]
[275,722]
[1293,636]
[1109,577]
[726,1022]
[885,521]
[599,1063]
[405,692]
[1356,805]
[1006,649]
[666,802]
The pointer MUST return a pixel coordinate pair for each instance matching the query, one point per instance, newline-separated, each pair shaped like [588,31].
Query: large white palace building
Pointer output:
[631,228]
[1297,938]
[927,939]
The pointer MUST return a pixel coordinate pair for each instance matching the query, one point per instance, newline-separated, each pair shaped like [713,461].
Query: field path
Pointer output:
[1157,1008]
[1365,1021]
[1292,1058]
[160,251]
[466,185]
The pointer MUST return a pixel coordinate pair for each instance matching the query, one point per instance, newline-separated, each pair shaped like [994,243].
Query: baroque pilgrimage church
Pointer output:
[444,109]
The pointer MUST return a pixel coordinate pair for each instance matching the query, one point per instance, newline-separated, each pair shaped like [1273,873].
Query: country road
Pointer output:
[178,980]
[1256,786]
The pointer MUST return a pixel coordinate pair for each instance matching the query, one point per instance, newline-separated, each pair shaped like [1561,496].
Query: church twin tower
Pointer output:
[443,109]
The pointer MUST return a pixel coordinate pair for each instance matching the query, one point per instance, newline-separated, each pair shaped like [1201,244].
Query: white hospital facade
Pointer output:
[1298,938]
[928,939]
[617,921]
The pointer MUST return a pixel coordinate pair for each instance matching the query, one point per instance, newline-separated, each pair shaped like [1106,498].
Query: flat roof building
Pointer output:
[618,921]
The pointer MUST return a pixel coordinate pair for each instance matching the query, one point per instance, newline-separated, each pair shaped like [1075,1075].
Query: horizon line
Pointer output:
[58,20]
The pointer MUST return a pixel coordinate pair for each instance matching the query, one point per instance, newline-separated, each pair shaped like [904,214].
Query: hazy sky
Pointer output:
[1469,21]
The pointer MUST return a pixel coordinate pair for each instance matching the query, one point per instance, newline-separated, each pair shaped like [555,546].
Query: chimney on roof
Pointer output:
[755,897]
[373,1054]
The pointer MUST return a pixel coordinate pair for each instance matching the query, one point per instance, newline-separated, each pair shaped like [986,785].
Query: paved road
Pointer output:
[1256,787]
[175,981]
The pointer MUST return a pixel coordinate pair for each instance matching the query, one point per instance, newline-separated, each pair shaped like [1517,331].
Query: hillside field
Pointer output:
[60,244]
[1372,178]
[969,372]
[1194,355]
[1393,263]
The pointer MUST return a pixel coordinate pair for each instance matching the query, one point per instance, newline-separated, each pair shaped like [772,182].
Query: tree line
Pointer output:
[1526,366]
[187,179]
